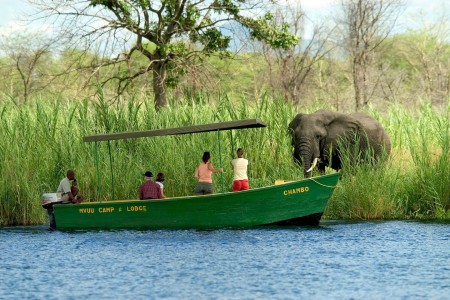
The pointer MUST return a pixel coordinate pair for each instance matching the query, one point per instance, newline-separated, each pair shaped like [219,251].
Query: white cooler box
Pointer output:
[48,198]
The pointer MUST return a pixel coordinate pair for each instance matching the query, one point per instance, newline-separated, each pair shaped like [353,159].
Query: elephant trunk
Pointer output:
[308,167]
[304,156]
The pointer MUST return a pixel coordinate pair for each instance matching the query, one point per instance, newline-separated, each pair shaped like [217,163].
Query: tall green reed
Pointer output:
[44,138]
[413,183]
[429,145]
[368,188]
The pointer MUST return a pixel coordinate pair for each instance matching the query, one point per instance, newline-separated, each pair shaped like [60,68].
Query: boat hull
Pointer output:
[293,203]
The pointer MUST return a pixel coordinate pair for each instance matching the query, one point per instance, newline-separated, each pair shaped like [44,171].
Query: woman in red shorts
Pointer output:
[239,164]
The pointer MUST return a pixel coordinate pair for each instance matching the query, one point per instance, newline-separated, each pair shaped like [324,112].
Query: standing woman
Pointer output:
[239,165]
[203,174]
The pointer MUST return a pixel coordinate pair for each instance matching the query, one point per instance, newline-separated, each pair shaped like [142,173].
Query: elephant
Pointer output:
[324,133]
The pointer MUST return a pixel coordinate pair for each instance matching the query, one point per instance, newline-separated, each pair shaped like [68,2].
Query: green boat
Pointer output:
[300,202]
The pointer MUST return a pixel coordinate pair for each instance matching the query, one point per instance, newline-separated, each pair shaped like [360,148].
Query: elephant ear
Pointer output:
[294,123]
[342,126]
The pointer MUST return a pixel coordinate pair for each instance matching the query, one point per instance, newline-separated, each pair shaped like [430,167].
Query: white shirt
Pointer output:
[64,186]
[160,184]
[240,168]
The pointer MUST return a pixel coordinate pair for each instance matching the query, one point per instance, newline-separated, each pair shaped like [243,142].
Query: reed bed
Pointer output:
[42,139]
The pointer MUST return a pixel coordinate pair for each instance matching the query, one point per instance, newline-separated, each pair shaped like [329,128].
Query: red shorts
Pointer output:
[240,185]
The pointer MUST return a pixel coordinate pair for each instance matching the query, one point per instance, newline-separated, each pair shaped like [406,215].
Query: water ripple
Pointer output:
[375,260]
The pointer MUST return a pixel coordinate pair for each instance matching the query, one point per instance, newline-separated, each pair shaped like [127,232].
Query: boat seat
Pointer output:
[281,181]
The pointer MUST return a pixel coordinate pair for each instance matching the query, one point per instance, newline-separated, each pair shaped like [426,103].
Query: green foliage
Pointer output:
[369,192]
[43,139]
[267,30]
[121,8]
[415,181]
[169,22]
[213,40]
[431,158]
[187,18]
[421,58]
[227,6]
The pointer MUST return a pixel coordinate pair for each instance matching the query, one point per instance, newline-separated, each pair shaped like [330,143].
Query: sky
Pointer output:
[12,11]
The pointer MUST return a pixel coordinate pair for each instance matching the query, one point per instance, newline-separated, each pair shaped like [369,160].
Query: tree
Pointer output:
[292,67]
[365,23]
[26,54]
[166,33]
[423,57]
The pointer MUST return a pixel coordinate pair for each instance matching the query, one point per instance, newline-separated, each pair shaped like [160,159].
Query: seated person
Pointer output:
[76,191]
[160,180]
[69,189]
[69,194]
[149,189]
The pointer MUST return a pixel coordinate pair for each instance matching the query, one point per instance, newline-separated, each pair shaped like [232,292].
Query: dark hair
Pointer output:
[206,156]
[160,177]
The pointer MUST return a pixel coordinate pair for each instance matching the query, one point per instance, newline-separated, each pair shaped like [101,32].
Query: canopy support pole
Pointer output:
[220,157]
[111,169]
[98,172]
[232,144]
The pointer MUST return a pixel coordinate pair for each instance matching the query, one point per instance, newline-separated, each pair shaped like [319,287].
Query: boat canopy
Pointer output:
[229,125]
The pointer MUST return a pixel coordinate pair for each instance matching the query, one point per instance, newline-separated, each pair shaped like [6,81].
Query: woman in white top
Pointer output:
[239,165]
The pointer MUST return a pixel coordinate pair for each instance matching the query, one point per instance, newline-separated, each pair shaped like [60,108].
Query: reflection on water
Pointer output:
[373,260]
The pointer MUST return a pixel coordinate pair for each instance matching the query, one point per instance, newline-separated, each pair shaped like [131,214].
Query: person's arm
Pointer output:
[71,197]
[74,190]
[211,168]
[160,192]
[196,175]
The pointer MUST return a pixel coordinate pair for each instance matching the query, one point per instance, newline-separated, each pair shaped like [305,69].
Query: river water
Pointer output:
[337,260]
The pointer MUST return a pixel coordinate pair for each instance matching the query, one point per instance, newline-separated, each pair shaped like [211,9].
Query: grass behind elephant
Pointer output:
[401,186]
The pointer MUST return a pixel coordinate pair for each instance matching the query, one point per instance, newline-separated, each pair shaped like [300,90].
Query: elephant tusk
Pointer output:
[313,165]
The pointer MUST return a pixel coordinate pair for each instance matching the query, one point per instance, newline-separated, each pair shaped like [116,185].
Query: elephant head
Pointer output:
[316,138]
